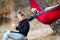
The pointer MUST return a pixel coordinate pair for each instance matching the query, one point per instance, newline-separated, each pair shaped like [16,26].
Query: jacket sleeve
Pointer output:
[19,26]
[31,17]
[34,15]
[16,28]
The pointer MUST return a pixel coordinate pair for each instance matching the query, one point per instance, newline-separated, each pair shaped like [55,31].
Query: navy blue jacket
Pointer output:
[24,26]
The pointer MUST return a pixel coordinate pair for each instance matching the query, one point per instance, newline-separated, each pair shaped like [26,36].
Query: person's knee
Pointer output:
[7,32]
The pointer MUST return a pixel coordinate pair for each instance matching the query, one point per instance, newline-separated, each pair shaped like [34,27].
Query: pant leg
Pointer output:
[5,37]
[15,36]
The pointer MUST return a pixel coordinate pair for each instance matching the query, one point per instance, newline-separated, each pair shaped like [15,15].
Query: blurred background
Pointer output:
[8,12]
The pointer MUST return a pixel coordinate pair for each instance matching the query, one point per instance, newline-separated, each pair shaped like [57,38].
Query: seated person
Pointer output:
[22,28]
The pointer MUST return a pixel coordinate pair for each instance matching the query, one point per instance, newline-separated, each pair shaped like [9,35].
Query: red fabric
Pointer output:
[35,5]
[49,16]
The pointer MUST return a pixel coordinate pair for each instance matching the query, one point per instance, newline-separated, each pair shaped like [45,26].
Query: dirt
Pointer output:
[35,25]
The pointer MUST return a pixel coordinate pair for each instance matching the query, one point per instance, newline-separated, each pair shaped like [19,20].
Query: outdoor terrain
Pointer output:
[8,12]
[33,34]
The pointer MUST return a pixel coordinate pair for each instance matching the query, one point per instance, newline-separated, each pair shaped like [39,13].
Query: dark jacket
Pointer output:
[24,26]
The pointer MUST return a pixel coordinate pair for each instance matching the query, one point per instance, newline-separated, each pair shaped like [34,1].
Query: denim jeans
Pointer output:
[15,36]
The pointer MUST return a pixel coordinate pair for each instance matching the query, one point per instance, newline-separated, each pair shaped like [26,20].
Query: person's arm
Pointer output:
[34,15]
[19,26]
[31,17]
[16,28]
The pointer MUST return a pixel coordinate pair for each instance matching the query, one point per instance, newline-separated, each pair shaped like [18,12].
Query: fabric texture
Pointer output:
[47,17]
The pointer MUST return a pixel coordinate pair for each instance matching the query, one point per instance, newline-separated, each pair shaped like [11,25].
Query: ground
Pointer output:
[35,26]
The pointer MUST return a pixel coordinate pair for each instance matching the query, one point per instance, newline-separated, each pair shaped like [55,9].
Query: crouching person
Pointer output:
[22,28]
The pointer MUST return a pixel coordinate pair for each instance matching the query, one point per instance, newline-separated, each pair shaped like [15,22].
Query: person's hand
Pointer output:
[34,10]
[13,25]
